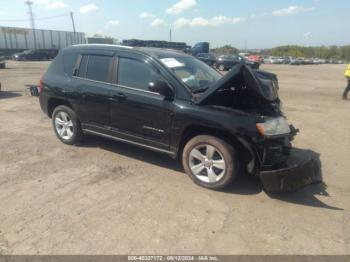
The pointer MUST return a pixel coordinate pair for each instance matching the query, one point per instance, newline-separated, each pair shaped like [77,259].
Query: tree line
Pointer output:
[323,52]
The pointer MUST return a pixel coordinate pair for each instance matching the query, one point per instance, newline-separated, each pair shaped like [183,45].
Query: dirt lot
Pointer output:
[105,197]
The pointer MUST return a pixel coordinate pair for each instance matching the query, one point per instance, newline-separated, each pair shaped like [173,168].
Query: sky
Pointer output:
[241,23]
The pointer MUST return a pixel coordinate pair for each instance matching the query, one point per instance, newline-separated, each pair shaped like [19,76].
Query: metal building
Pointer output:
[14,38]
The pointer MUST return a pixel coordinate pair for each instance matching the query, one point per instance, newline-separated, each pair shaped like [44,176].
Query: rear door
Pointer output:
[92,81]
[137,113]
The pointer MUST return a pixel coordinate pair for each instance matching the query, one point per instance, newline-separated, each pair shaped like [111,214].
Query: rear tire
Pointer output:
[210,162]
[66,125]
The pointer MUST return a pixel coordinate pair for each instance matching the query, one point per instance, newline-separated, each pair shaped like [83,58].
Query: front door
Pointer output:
[136,113]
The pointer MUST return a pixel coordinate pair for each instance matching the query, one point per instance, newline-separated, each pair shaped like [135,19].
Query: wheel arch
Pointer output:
[239,143]
[55,102]
[194,130]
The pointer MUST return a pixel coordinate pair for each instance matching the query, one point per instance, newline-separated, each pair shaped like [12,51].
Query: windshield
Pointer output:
[197,75]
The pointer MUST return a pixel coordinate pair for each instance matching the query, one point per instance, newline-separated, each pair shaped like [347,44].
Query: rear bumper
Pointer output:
[298,173]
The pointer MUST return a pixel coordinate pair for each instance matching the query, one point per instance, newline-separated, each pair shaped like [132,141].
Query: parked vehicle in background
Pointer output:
[280,60]
[207,58]
[226,62]
[309,61]
[318,61]
[265,60]
[302,61]
[287,60]
[298,61]
[274,60]
[2,62]
[35,55]
[172,103]
[294,61]
[252,64]
[201,47]
[336,61]
[255,58]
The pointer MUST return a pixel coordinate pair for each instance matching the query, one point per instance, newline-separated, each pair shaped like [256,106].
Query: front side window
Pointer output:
[196,75]
[136,74]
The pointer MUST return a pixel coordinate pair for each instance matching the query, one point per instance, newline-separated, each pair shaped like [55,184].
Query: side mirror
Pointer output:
[160,87]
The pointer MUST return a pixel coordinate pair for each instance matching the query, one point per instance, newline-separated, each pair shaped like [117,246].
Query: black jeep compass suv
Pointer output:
[171,102]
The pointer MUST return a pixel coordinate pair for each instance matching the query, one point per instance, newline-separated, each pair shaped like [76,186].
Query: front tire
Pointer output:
[210,162]
[66,125]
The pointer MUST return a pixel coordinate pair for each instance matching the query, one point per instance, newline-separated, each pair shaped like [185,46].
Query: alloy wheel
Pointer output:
[207,163]
[64,125]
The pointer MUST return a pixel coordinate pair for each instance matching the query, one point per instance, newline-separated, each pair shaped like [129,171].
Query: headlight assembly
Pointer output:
[273,127]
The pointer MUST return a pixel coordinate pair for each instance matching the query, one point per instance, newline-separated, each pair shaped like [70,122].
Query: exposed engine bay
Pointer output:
[245,89]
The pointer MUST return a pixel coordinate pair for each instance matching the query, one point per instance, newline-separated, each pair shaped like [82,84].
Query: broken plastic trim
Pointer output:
[291,178]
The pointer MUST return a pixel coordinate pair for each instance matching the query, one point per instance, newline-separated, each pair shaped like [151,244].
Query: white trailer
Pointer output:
[15,38]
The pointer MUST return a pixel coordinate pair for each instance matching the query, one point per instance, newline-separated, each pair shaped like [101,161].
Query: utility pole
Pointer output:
[72,18]
[31,15]
[170,35]
[29,3]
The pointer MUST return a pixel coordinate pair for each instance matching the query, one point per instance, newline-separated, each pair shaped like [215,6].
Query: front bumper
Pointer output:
[297,173]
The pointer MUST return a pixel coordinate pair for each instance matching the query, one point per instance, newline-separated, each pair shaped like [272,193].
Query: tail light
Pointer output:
[41,85]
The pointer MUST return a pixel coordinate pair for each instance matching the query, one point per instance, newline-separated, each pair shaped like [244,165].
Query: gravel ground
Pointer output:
[105,197]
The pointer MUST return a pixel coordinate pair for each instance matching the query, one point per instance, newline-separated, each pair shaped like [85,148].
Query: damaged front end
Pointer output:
[272,157]
[281,168]
[291,177]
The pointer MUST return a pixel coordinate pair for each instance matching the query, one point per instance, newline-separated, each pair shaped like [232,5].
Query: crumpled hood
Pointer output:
[262,85]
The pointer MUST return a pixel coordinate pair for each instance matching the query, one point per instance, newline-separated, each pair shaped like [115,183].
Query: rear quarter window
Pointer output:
[56,66]
[69,62]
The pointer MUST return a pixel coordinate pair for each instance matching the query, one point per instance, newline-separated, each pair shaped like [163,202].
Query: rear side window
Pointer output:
[95,67]
[83,66]
[134,73]
[98,68]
